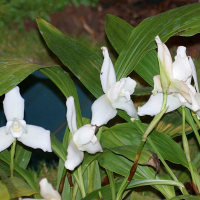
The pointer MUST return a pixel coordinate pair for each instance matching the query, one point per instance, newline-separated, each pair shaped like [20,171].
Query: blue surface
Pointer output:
[45,105]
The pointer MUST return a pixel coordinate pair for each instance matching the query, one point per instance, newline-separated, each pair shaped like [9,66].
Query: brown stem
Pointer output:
[70,180]
[195,189]
[60,189]
[134,167]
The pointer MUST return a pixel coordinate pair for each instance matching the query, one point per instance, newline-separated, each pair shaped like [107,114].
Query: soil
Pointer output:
[90,20]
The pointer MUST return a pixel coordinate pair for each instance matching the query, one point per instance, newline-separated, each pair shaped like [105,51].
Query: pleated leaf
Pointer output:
[26,174]
[22,155]
[106,193]
[171,124]
[20,188]
[83,63]
[13,71]
[113,137]
[136,51]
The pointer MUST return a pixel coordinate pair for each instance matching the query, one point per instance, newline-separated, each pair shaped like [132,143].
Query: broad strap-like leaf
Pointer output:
[58,148]
[26,174]
[171,124]
[113,137]
[64,82]
[83,63]
[121,165]
[165,25]
[13,71]
[22,155]
[20,188]
[106,193]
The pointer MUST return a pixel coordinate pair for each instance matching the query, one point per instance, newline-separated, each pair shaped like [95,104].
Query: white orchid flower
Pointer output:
[46,191]
[16,127]
[84,138]
[179,74]
[117,94]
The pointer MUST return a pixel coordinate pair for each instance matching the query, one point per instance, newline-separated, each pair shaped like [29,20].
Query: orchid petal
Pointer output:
[91,148]
[107,76]
[13,105]
[154,104]
[157,85]
[127,106]
[182,69]
[115,90]
[47,191]
[84,134]
[181,88]
[71,114]
[23,124]
[8,126]
[102,111]
[195,105]
[165,57]
[6,140]
[37,137]
[74,156]
[194,74]
[129,85]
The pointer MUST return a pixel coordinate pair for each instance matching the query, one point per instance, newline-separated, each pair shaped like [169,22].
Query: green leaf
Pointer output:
[22,155]
[186,197]
[122,166]
[138,53]
[20,188]
[85,64]
[13,71]
[143,91]
[26,174]
[61,168]
[118,37]
[106,193]
[113,137]
[150,59]
[58,148]
[171,124]
[165,25]
[136,196]
[64,82]
[130,151]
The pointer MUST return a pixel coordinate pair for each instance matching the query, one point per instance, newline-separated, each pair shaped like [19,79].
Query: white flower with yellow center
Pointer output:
[16,127]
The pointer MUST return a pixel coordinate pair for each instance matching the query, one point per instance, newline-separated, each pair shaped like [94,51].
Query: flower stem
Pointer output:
[187,150]
[198,123]
[141,127]
[12,154]
[112,184]
[80,178]
[151,126]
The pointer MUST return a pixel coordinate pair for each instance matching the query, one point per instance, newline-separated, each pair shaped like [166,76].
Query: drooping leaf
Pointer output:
[13,71]
[64,82]
[84,64]
[165,25]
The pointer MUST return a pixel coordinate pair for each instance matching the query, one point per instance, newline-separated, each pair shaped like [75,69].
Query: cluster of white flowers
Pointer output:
[117,96]
[180,91]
